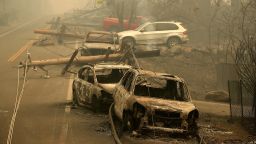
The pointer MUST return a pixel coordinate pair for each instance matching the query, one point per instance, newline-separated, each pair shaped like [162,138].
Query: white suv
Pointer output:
[169,33]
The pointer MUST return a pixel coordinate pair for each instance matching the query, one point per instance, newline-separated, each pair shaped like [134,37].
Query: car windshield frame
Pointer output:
[142,26]
[183,91]
[91,39]
[98,73]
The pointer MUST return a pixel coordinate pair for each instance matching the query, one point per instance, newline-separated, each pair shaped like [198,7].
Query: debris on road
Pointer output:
[54,33]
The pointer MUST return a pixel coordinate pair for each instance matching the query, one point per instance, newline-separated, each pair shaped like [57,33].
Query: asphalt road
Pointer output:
[44,116]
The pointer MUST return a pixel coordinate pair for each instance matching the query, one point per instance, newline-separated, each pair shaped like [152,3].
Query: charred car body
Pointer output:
[94,84]
[145,100]
[100,43]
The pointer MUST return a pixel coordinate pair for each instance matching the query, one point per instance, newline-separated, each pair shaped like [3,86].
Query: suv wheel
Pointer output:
[129,42]
[172,41]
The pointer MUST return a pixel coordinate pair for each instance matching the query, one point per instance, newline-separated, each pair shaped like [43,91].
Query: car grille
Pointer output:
[165,119]
[106,97]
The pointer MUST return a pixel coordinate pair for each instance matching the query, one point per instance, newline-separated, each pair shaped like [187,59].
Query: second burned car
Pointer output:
[100,43]
[94,84]
[154,101]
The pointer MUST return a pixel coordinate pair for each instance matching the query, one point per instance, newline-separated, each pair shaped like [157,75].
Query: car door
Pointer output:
[123,92]
[147,34]
[87,85]
[166,30]
[161,32]
[78,84]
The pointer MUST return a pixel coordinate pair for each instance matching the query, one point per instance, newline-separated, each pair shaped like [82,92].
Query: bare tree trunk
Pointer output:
[4,5]
[133,12]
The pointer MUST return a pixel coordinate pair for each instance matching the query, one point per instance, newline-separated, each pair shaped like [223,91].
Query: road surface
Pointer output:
[44,116]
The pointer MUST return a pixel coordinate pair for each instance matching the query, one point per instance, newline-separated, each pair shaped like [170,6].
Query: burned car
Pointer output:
[100,43]
[145,100]
[94,84]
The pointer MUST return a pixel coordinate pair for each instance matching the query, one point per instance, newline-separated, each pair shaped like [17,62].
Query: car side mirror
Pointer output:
[142,30]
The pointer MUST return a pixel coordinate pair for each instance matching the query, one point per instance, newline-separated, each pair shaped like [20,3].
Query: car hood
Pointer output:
[101,46]
[127,33]
[162,104]
[108,87]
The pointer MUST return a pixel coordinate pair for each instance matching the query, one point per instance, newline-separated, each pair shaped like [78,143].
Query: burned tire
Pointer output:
[128,123]
[192,125]
[77,99]
[96,104]
[193,129]
[118,124]
[128,41]
[172,41]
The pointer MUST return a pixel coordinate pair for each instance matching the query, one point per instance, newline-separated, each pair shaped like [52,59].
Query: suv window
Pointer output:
[166,26]
[150,27]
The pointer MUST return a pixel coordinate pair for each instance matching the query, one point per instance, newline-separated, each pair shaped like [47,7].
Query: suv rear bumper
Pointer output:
[184,40]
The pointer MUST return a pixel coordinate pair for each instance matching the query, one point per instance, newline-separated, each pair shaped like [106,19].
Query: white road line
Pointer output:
[64,133]
[69,92]
[18,27]
[65,127]
[3,111]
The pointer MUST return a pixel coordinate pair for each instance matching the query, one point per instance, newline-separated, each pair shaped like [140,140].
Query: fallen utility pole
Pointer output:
[78,24]
[92,59]
[49,32]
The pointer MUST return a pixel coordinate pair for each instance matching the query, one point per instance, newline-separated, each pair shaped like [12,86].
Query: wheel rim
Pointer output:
[172,42]
[129,42]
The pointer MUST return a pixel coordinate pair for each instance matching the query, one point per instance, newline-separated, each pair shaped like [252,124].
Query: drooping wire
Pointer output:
[17,100]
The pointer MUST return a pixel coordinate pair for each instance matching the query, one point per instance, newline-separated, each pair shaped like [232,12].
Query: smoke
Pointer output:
[61,6]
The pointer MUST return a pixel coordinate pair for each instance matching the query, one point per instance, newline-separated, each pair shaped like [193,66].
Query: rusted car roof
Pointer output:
[111,65]
[158,74]
[108,66]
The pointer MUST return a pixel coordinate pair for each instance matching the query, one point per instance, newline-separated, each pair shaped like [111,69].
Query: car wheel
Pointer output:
[128,121]
[192,126]
[77,98]
[172,41]
[128,42]
[96,104]
[119,126]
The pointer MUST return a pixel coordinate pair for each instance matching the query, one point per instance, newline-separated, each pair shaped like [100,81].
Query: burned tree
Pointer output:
[245,51]
[123,9]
